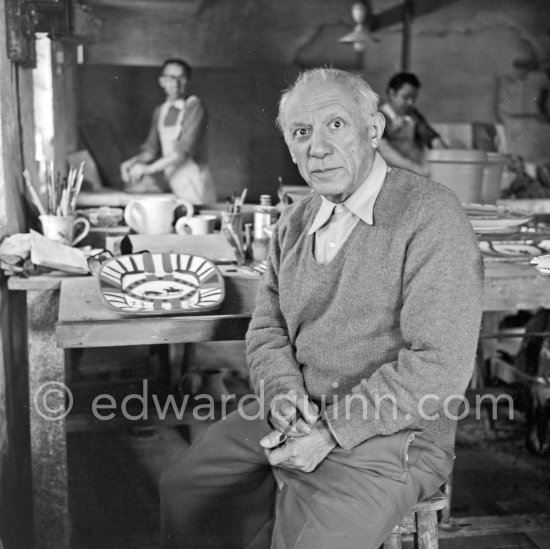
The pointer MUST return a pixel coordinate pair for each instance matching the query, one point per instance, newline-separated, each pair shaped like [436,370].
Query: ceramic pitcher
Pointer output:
[154,214]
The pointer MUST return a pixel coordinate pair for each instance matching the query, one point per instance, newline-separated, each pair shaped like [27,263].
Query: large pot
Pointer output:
[461,170]
[492,176]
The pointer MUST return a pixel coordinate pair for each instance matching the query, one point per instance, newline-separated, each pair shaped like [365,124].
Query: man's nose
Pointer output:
[320,145]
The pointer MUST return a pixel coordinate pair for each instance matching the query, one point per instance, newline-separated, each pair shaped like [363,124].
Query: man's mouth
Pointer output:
[324,171]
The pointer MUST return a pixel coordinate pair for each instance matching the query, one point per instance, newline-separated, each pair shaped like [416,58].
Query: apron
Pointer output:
[187,180]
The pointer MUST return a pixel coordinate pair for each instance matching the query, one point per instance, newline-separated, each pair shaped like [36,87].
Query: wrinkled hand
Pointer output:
[292,413]
[304,452]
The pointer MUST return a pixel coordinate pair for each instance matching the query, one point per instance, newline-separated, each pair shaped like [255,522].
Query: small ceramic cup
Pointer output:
[198,224]
[62,228]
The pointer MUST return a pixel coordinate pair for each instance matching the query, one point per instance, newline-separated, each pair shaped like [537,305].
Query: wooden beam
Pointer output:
[406,45]
[394,16]
[157,5]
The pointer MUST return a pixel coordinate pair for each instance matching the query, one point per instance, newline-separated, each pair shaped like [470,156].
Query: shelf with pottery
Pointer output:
[120,199]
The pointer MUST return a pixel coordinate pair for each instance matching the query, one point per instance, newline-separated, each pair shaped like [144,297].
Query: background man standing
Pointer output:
[364,333]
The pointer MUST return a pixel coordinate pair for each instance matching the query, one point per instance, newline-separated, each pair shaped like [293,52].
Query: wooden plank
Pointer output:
[494,524]
[84,321]
[151,331]
[81,302]
[512,286]
[50,281]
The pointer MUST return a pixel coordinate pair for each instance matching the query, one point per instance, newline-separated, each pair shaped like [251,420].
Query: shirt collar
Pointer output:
[361,202]
[179,103]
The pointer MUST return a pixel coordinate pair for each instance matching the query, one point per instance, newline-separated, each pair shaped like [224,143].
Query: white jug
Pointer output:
[154,214]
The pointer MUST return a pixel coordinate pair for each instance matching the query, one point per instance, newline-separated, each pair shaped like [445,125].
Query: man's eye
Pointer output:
[300,132]
[336,123]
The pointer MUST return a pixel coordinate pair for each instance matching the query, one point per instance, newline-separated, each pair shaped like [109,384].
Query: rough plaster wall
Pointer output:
[458,52]
[244,50]
[220,34]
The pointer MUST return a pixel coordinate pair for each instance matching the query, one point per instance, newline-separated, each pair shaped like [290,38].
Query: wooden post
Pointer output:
[15,488]
[406,46]
[426,535]
[47,379]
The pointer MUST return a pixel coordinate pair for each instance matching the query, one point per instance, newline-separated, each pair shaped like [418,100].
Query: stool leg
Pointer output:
[448,491]
[426,535]
[394,540]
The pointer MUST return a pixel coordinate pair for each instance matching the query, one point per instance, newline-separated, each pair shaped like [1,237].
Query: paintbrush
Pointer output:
[34,195]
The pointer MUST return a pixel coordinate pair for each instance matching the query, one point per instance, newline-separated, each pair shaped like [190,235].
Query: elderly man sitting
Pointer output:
[362,341]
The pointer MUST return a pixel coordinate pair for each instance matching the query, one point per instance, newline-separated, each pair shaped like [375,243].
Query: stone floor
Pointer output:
[501,492]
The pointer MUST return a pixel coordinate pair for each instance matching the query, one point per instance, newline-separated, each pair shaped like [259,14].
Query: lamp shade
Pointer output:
[358,37]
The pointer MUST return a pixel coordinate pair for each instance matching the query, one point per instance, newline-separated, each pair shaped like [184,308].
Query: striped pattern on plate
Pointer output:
[161,284]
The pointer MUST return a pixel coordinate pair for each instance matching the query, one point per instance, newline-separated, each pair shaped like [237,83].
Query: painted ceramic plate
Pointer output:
[542,264]
[515,251]
[486,218]
[161,284]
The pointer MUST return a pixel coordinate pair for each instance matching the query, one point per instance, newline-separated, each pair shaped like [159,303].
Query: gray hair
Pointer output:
[366,98]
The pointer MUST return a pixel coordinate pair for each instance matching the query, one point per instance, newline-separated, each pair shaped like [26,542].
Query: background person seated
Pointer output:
[407,134]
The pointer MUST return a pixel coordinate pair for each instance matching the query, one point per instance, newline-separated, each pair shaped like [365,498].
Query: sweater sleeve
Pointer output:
[439,322]
[271,357]
[193,127]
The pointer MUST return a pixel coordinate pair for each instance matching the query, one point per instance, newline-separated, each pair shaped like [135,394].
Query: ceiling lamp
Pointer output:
[358,37]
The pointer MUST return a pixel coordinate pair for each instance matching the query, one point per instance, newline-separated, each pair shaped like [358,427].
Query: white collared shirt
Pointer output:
[333,223]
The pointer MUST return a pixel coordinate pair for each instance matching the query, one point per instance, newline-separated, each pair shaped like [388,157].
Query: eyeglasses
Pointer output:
[169,77]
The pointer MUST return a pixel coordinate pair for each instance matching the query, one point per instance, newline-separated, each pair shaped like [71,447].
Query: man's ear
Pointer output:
[376,129]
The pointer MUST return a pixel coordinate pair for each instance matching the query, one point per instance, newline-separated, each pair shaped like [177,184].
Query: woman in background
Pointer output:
[174,157]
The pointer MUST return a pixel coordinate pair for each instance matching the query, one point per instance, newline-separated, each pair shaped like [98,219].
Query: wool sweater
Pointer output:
[382,335]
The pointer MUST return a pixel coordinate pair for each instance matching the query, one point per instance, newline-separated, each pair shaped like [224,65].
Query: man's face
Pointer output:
[329,139]
[403,99]
[173,80]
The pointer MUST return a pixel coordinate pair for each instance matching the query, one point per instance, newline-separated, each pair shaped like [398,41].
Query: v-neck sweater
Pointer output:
[393,319]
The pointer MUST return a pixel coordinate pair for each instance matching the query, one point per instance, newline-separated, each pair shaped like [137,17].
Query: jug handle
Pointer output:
[84,231]
[134,215]
[189,209]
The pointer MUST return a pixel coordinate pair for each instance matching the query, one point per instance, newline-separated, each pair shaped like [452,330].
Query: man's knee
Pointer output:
[174,478]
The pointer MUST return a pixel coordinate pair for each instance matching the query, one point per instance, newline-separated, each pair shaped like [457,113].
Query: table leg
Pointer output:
[47,423]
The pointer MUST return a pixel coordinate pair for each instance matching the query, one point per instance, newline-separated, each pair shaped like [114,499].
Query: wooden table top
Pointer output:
[85,321]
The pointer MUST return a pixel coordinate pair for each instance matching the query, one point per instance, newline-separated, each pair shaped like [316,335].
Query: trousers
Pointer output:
[223,494]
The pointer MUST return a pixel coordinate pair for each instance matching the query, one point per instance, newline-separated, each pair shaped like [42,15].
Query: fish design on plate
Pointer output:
[161,284]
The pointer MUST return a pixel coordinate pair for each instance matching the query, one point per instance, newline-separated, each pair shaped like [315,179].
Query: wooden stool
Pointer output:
[422,522]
